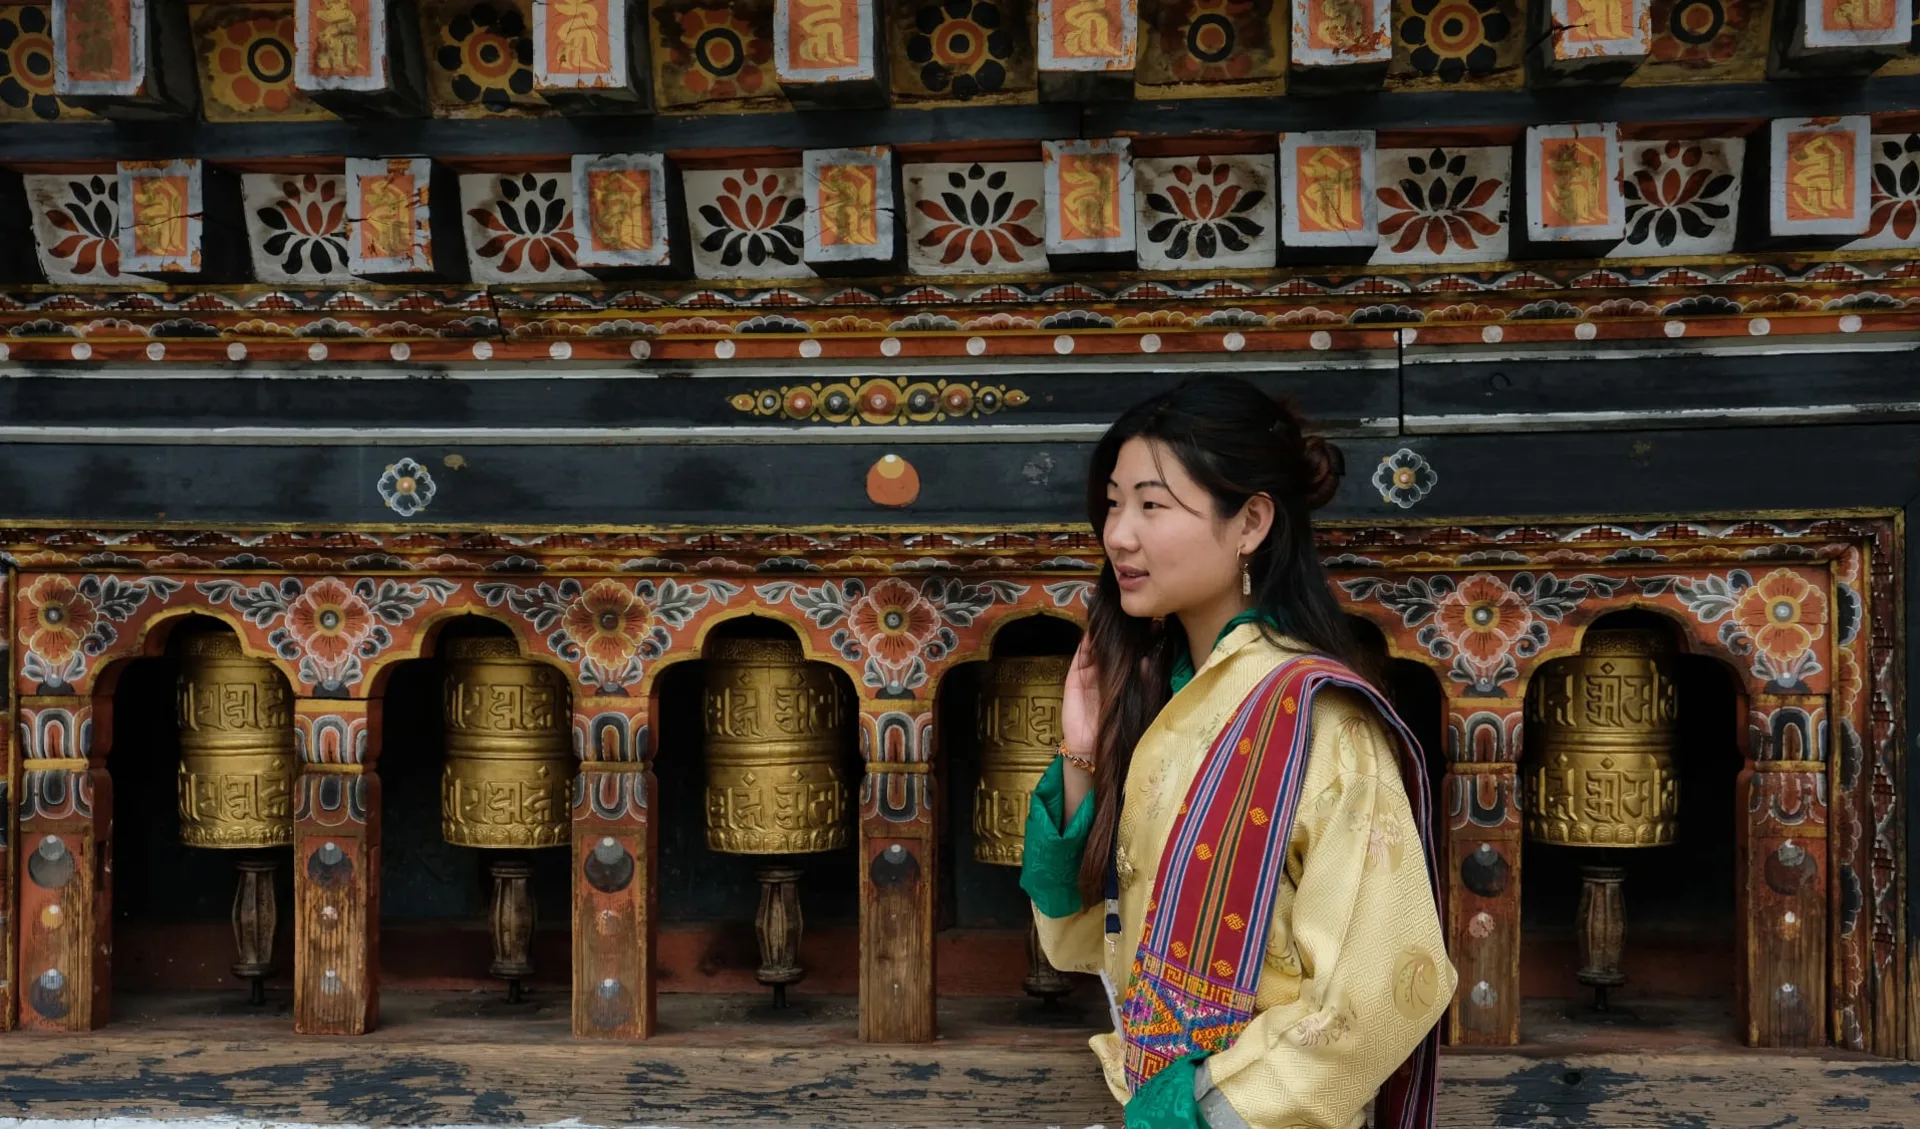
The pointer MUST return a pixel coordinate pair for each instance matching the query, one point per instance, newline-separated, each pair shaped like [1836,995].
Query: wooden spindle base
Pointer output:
[256,915]
[1602,930]
[512,923]
[778,925]
[1044,982]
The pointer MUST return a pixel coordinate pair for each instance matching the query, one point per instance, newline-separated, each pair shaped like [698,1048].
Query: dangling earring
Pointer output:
[1246,580]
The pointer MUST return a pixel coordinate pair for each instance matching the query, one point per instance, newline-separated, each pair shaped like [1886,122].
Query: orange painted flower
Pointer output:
[608,621]
[893,620]
[1783,614]
[1846,681]
[329,620]
[1483,617]
[62,618]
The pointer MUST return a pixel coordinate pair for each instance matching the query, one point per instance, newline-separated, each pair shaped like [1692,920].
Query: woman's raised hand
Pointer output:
[1080,706]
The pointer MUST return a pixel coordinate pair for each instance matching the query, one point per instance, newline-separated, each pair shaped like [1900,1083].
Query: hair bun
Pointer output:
[1325,465]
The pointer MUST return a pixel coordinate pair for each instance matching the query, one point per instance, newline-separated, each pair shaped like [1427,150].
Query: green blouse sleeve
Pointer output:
[1050,859]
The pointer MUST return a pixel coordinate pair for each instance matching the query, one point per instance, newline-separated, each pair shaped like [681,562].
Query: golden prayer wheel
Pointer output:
[776,777]
[1019,737]
[236,747]
[509,769]
[1600,739]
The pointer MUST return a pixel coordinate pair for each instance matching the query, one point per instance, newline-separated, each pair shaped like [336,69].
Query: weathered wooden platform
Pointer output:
[730,1061]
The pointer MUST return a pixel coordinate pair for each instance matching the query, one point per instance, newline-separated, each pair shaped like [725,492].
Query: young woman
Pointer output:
[1235,835]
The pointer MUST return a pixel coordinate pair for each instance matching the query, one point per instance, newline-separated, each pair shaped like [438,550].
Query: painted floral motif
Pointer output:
[1203,210]
[1895,221]
[1680,195]
[1453,40]
[67,623]
[485,55]
[1404,477]
[893,628]
[302,224]
[246,65]
[754,220]
[1482,624]
[608,622]
[326,626]
[1209,40]
[1441,208]
[720,56]
[962,47]
[406,487]
[1699,34]
[526,228]
[608,636]
[977,216]
[26,66]
[1776,620]
[880,400]
[84,217]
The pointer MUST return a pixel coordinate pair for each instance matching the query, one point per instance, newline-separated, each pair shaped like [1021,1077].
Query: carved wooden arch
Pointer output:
[690,642]
[422,641]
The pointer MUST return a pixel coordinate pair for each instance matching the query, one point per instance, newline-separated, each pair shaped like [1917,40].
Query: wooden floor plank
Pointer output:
[469,1062]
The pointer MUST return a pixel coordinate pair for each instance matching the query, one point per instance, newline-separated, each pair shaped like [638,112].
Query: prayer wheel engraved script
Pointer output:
[509,769]
[236,747]
[1602,728]
[776,783]
[1019,737]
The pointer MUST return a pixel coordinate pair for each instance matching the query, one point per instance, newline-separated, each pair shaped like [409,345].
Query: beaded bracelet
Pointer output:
[1084,764]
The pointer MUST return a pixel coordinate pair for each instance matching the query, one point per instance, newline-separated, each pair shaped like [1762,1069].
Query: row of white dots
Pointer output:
[1063,344]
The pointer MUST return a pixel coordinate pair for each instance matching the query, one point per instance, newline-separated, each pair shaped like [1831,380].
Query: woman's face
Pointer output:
[1169,552]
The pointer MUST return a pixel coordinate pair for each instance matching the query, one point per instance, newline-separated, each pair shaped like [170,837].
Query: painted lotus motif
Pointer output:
[329,621]
[1404,477]
[1775,621]
[1783,614]
[328,627]
[609,631]
[978,216]
[66,623]
[62,620]
[609,622]
[893,629]
[1483,617]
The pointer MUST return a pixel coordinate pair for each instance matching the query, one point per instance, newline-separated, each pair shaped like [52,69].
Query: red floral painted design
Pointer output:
[1674,191]
[1896,188]
[1214,43]
[1439,205]
[309,225]
[329,620]
[977,215]
[1483,617]
[893,621]
[1783,614]
[608,622]
[722,56]
[531,225]
[753,220]
[1204,211]
[90,216]
[62,618]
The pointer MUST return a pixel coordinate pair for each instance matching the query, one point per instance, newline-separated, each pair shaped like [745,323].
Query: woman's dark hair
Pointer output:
[1236,442]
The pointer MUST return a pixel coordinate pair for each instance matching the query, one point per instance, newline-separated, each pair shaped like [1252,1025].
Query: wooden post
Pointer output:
[615,851]
[899,870]
[1481,856]
[1783,874]
[9,832]
[66,869]
[336,867]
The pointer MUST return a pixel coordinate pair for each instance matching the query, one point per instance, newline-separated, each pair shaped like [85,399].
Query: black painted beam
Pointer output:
[1729,471]
[813,130]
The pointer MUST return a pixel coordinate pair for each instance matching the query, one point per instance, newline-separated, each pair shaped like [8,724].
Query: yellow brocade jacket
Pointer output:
[1356,971]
